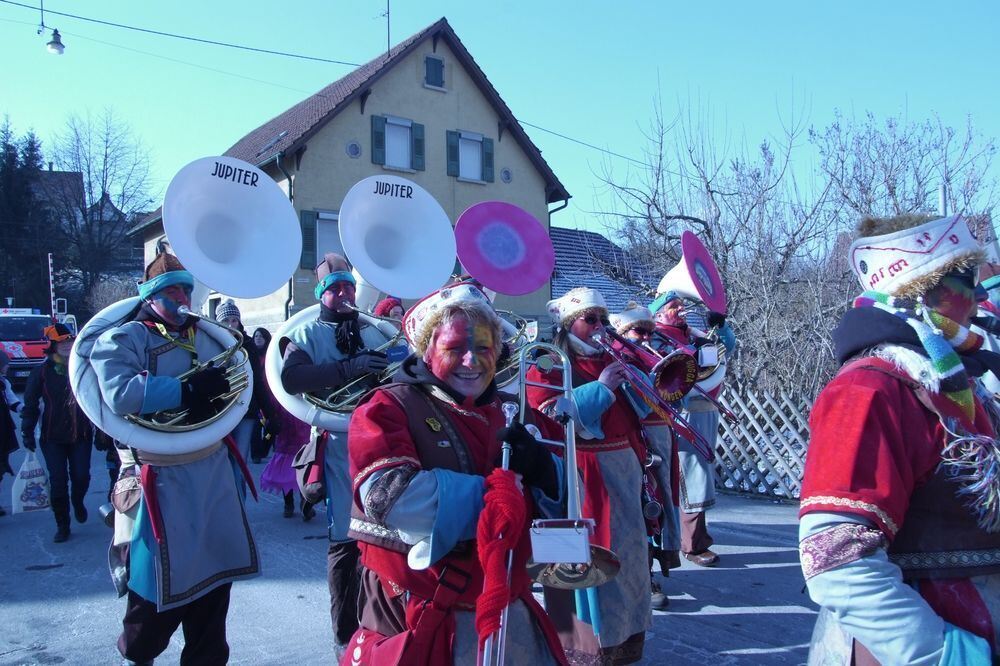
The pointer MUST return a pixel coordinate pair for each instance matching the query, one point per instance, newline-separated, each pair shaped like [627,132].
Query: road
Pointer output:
[59,606]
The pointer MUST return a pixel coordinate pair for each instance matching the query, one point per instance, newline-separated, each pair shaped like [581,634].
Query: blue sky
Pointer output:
[585,69]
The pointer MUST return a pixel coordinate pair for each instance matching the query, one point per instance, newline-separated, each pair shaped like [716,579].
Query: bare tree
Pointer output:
[115,186]
[779,234]
[109,290]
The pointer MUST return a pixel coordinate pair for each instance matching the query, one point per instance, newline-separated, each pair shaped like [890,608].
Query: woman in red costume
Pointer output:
[610,453]
[422,450]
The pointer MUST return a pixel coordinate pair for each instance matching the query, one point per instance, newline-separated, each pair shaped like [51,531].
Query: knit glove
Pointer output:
[530,459]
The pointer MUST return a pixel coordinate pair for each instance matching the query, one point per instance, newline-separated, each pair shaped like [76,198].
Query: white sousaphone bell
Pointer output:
[696,278]
[400,242]
[234,229]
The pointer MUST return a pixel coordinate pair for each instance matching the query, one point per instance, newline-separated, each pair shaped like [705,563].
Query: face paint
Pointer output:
[954,298]
[463,356]
[639,335]
[166,301]
[670,313]
[339,296]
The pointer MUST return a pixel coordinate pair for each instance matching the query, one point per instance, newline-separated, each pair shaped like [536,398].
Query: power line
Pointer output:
[186,37]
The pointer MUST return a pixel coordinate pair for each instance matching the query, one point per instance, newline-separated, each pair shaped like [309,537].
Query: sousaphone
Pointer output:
[233,229]
[400,242]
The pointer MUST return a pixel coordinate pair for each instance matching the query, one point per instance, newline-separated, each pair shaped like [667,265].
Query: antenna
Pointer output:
[388,40]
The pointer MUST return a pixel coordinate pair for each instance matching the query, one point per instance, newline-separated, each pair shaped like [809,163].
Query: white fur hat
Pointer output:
[419,319]
[575,301]
[632,315]
[910,261]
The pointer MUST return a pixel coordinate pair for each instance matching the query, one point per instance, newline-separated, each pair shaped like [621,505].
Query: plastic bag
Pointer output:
[31,486]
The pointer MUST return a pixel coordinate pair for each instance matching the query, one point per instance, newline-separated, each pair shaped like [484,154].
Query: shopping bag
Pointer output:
[31,486]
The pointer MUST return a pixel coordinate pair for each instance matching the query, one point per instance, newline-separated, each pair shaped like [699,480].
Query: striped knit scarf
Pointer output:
[942,339]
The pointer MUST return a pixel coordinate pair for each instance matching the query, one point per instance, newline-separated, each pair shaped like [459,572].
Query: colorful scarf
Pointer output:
[942,340]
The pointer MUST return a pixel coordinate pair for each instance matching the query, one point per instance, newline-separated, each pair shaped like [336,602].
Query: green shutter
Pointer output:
[452,153]
[417,146]
[488,160]
[378,139]
[307,219]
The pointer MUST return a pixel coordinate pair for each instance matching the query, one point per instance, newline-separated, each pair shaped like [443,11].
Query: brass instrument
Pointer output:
[173,420]
[650,384]
[345,398]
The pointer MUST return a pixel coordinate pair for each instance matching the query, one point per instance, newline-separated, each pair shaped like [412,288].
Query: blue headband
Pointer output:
[153,285]
[662,300]
[991,283]
[332,278]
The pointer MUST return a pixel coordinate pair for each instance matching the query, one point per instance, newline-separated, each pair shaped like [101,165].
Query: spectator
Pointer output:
[8,403]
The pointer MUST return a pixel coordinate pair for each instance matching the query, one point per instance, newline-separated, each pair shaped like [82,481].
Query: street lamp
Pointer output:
[55,45]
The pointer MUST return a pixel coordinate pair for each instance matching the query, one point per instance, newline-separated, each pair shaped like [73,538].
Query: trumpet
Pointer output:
[236,374]
[657,387]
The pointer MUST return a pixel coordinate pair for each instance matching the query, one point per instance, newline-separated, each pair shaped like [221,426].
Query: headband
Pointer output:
[332,278]
[153,285]
[662,300]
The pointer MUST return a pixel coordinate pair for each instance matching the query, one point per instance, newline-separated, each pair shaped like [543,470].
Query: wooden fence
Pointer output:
[763,452]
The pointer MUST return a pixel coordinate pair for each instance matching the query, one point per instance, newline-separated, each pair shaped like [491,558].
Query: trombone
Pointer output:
[651,384]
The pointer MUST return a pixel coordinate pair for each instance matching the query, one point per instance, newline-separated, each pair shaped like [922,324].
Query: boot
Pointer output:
[657,599]
[289,505]
[60,507]
[80,511]
[308,512]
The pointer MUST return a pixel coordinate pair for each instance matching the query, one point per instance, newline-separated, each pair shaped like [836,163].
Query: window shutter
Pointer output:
[307,219]
[378,139]
[452,153]
[433,72]
[488,160]
[417,146]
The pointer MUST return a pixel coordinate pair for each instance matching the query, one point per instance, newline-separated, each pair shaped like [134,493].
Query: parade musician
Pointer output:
[181,534]
[320,356]
[421,449]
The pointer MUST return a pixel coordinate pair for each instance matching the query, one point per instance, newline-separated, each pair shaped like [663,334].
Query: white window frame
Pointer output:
[467,145]
[327,226]
[401,127]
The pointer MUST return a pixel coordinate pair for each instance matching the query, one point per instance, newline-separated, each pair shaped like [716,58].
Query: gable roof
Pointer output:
[291,129]
[588,259]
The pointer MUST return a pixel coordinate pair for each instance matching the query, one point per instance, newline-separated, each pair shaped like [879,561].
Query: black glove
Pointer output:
[716,319]
[364,363]
[530,459]
[272,428]
[200,390]
[29,440]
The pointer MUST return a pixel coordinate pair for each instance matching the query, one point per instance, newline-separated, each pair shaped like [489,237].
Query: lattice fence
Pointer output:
[764,450]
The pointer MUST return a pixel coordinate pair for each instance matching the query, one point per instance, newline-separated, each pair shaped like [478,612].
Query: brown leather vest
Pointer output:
[438,446]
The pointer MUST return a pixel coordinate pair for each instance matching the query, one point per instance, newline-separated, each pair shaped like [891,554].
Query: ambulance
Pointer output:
[22,337]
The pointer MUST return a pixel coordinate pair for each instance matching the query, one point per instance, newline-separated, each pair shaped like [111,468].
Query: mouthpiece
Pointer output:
[184,310]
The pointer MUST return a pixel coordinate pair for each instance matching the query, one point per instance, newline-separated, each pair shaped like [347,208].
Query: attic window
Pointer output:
[433,72]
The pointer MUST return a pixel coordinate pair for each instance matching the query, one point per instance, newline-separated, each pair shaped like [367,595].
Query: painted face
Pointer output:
[462,355]
[339,296]
[588,325]
[955,298]
[166,301]
[670,313]
[396,312]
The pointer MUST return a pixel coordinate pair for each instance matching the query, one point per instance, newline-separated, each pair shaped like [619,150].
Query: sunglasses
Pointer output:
[642,331]
[592,319]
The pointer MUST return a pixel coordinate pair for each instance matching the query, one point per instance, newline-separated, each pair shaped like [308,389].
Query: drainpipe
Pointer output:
[291,198]
[565,202]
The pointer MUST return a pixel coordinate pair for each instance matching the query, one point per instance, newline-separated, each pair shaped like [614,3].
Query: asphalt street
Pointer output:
[59,607]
